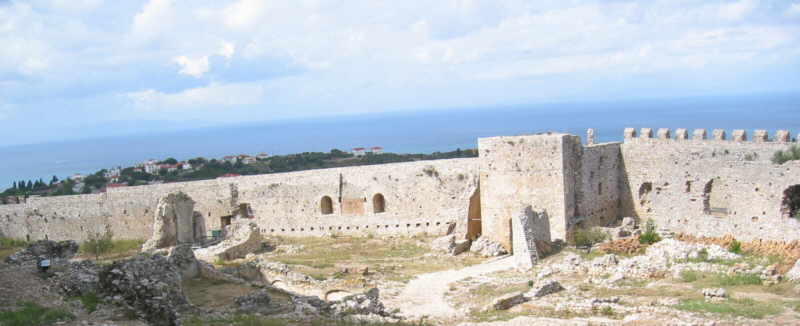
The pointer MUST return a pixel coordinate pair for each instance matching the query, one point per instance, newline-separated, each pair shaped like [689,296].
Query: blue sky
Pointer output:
[88,68]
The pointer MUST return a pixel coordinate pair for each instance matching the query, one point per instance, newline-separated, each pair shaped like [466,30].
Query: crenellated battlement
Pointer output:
[701,135]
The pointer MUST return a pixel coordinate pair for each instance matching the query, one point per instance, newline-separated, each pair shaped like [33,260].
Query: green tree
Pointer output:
[169,161]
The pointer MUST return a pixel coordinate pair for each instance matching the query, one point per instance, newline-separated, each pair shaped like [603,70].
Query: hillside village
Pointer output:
[153,172]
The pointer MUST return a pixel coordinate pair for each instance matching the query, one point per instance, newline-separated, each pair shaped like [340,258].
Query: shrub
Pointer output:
[649,236]
[98,243]
[790,154]
[735,247]
[587,237]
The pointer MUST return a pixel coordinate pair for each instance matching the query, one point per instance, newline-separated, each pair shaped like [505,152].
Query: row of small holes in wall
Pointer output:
[408,225]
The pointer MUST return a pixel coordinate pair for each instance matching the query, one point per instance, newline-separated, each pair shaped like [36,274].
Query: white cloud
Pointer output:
[319,56]
[213,96]
[153,18]
[227,50]
[737,10]
[192,67]
[243,13]
[793,10]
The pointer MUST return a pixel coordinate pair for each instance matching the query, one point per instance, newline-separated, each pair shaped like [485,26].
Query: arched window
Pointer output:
[326,205]
[790,207]
[378,203]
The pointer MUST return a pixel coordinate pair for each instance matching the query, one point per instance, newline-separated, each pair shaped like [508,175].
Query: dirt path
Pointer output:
[424,295]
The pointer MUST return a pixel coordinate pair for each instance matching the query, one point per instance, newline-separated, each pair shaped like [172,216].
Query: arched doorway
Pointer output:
[474,215]
[326,205]
[790,206]
[715,198]
[378,203]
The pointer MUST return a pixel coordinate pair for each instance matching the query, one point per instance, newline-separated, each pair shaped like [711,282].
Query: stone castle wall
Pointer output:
[687,181]
[705,186]
[427,196]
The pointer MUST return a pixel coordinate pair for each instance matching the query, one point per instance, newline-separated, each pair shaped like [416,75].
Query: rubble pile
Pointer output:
[79,278]
[149,285]
[44,249]
[450,245]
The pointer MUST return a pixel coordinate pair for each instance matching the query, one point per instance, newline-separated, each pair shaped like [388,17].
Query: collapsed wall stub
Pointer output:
[174,222]
[523,227]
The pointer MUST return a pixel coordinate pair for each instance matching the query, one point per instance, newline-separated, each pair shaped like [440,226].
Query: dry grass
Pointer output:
[216,294]
[398,259]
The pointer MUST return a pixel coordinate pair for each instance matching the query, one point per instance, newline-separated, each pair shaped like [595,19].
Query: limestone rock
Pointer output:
[507,301]
[78,278]
[174,222]
[450,245]
[543,289]
[44,249]
[794,273]
[149,285]
[487,248]
[525,252]
[182,256]
[243,238]
[714,294]
[367,303]
[255,302]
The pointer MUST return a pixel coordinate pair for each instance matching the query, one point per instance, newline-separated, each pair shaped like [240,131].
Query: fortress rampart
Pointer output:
[688,181]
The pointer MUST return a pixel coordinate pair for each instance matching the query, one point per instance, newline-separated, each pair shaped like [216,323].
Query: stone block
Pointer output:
[783,136]
[699,134]
[663,133]
[739,135]
[719,134]
[543,289]
[760,136]
[646,133]
[507,301]
[524,243]
[681,134]
[630,133]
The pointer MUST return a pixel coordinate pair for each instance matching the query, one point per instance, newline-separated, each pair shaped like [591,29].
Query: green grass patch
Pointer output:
[689,276]
[32,314]
[736,279]
[253,320]
[8,243]
[89,301]
[719,279]
[733,307]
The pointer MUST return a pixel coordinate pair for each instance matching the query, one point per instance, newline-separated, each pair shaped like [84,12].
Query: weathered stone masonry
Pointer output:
[682,179]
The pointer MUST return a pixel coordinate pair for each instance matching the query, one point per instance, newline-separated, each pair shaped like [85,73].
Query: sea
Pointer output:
[422,131]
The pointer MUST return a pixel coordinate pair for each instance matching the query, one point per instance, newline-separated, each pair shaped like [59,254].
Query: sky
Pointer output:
[94,68]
